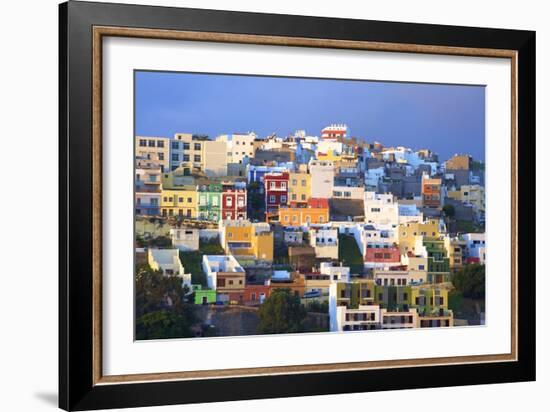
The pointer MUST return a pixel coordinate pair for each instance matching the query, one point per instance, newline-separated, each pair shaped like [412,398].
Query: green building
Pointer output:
[204,296]
[209,202]
[438,262]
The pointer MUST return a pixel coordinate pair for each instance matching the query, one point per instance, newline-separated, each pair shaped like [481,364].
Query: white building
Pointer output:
[381,209]
[185,239]
[322,178]
[343,318]
[475,246]
[168,261]
[325,242]
[367,235]
[213,265]
[240,146]
[348,192]
[336,273]
[409,213]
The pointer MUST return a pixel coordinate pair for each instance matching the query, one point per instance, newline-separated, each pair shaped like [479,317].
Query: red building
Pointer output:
[255,294]
[334,132]
[383,255]
[233,203]
[276,192]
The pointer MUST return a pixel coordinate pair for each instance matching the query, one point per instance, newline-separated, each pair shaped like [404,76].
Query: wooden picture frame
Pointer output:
[82,385]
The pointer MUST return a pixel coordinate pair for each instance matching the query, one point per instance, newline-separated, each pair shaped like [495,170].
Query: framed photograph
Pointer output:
[256,205]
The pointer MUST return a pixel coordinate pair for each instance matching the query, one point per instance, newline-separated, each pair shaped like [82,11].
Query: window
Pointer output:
[283,185]
[165,199]
[197,146]
[303,182]
[189,200]
[283,199]
[321,219]
[293,196]
[272,185]
[215,201]
[151,143]
[294,182]
[175,145]
[271,199]
[185,157]
[230,235]
[229,201]
[142,142]
[161,156]
[347,194]
[294,218]
[375,209]
[138,201]
[303,197]
[180,200]
[175,157]
[420,267]
[286,218]
[197,158]
[185,146]
[160,143]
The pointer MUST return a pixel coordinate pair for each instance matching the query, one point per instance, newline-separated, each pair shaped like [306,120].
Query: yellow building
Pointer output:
[299,187]
[409,231]
[179,202]
[472,194]
[329,156]
[156,149]
[243,238]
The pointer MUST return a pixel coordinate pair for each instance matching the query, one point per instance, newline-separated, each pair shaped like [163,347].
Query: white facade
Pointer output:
[168,261]
[475,245]
[185,239]
[325,242]
[329,146]
[336,273]
[381,209]
[213,264]
[240,146]
[366,235]
[346,192]
[322,178]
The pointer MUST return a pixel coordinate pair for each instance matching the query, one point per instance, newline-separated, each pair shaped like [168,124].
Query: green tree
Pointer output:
[281,313]
[449,211]
[162,310]
[470,281]
[162,324]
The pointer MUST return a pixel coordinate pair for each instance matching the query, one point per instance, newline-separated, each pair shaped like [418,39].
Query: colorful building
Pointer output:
[316,212]
[408,233]
[431,192]
[233,203]
[204,296]
[246,239]
[299,187]
[181,202]
[381,255]
[276,192]
[168,262]
[209,201]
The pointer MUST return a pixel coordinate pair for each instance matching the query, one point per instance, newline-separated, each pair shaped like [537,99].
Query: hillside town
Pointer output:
[355,235]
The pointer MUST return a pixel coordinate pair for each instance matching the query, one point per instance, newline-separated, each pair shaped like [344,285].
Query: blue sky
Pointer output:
[447,119]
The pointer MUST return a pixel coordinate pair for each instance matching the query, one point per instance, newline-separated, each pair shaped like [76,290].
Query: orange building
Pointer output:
[431,192]
[316,212]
